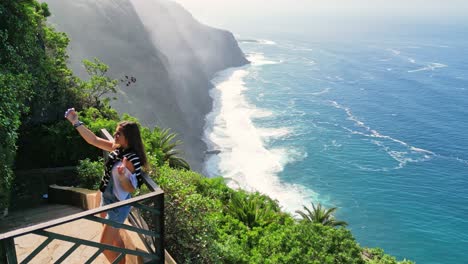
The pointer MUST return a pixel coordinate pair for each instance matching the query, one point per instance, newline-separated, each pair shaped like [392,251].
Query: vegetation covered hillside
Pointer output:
[206,222]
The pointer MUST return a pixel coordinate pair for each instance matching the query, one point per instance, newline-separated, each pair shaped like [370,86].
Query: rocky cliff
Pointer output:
[171,55]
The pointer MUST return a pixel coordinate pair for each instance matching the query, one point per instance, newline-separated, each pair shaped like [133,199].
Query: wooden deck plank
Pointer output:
[37,215]
[71,217]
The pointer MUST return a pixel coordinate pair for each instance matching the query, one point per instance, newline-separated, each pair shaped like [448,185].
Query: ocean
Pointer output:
[375,127]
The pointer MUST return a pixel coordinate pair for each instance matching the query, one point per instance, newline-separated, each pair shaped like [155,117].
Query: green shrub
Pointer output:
[90,173]
[11,88]
[378,256]
[58,143]
[192,217]
[207,222]
[306,243]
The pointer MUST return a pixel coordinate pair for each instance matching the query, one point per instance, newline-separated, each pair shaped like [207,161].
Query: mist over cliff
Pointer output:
[171,55]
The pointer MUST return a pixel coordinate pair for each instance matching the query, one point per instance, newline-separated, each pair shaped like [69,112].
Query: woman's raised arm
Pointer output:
[87,134]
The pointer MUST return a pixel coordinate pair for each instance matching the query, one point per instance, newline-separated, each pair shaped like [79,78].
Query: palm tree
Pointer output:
[165,141]
[252,209]
[320,215]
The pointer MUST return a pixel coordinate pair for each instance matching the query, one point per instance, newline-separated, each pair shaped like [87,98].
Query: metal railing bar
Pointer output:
[70,218]
[107,135]
[152,186]
[37,250]
[119,225]
[133,220]
[94,256]
[8,245]
[66,254]
[147,208]
[158,222]
[94,244]
[118,259]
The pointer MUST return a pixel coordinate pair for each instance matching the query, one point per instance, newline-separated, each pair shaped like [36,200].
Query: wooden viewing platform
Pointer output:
[70,232]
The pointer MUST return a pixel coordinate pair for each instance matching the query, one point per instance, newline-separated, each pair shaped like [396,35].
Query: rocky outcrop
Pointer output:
[171,55]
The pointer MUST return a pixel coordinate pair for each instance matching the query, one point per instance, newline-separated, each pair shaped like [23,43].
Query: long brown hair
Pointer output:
[131,132]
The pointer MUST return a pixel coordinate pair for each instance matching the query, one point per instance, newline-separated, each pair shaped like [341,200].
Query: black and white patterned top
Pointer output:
[118,155]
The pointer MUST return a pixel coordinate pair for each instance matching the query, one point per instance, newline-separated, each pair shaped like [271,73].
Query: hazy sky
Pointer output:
[239,15]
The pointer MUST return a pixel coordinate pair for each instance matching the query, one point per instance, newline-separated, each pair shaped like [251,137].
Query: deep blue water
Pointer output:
[374,127]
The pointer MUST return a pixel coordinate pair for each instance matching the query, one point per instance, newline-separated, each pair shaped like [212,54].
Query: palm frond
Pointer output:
[320,215]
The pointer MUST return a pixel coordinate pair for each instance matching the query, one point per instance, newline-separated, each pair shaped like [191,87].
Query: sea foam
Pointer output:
[397,149]
[258,59]
[244,159]
[430,67]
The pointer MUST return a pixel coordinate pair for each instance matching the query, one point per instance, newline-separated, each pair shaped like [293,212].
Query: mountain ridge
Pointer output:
[172,56]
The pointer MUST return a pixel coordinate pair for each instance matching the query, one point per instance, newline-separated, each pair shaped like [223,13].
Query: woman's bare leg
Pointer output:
[111,236]
[118,242]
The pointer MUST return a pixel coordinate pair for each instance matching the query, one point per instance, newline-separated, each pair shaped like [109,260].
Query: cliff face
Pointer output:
[171,55]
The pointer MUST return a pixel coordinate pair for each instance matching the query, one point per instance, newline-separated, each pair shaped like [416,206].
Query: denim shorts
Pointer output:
[117,214]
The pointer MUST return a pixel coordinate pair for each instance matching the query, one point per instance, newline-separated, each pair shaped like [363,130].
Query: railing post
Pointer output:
[158,220]
[8,248]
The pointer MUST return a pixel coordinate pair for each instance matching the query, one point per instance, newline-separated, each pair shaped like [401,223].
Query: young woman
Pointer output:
[122,172]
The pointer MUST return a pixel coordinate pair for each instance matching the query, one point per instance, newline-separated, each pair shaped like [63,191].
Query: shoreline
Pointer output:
[230,134]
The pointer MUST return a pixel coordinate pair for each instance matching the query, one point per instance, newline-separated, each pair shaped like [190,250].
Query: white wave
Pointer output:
[266,42]
[302,49]
[324,91]
[333,144]
[256,41]
[458,159]
[334,78]
[260,113]
[395,52]
[303,60]
[411,60]
[462,160]
[421,150]
[430,67]
[244,161]
[274,132]
[258,59]
[399,150]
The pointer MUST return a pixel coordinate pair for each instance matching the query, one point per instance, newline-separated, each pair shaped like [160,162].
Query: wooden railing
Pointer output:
[146,218]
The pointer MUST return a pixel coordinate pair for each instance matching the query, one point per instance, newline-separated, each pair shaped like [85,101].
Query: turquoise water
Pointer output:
[376,128]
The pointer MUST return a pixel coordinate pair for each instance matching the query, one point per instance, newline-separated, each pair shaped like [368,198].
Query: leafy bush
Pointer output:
[306,243]
[207,222]
[57,143]
[11,87]
[377,256]
[191,229]
[90,173]
[20,54]
[97,119]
